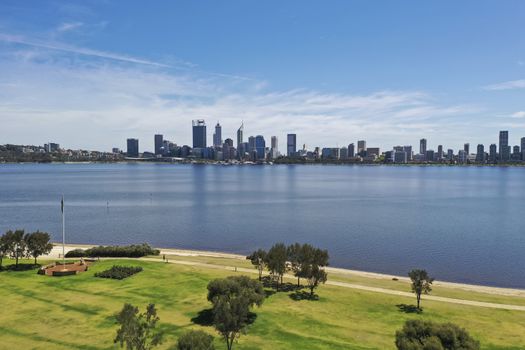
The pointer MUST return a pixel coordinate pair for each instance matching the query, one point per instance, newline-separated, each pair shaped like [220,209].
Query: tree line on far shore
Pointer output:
[18,244]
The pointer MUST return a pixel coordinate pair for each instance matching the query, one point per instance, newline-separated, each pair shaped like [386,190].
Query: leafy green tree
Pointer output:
[312,267]
[276,261]
[427,335]
[15,244]
[137,331]
[421,283]
[195,340]
[258,259]
[37,244]
[296,258]
[232,299]
[4,248]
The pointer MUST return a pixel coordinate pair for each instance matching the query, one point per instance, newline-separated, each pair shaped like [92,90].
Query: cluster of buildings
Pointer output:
[255,149]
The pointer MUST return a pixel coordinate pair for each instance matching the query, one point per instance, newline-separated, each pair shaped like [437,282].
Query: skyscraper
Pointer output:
[466,148]
[351,150]
[199,133]
[133,148]
[275,147]
[523,148]
[159,141]
[480,154]
[260,147]
[423,146]
[291,145]
[504,149]
[361,148]
[493,153]
[440,152]
[251,144]
[408,151]
[217,137]
[240,132]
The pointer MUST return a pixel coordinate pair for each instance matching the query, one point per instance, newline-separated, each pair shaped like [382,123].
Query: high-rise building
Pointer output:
[400,157]
[343,153]
[523,148]
[493,153]
[229,142]
[450,154]
[480,154]
[440,152]
[199,133]
[351,150]
[504,149]
[466,148]
[240,132]
[408,151]
[260,147]
[133,148]
[361,148]
[462,156]
[217,136]
[423,146]
[516,153]
[251,144]
[159,142]
[429,155]
[274,152]
[291,145]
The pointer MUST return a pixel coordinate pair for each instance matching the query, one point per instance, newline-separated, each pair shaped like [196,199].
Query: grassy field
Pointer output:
[77,312]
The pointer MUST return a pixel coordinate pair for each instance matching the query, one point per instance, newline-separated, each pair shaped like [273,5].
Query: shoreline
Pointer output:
[502,291]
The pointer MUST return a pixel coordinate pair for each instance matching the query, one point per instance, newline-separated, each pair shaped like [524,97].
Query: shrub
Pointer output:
[195,340]
[119,272]
[129,251]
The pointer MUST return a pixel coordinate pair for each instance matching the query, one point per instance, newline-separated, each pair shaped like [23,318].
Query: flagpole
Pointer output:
[63,236]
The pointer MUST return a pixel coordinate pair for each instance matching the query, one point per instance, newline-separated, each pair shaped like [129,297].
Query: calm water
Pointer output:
[462,224]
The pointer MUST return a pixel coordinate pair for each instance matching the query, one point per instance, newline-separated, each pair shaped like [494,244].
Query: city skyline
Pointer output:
[86,78]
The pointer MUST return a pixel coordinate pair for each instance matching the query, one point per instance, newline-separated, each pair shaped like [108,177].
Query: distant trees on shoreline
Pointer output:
[18,244]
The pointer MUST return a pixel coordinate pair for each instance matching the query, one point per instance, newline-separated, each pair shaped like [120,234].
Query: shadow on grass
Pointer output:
[205,318]
[409,309]
[20,267]
[286,287]
[303,295]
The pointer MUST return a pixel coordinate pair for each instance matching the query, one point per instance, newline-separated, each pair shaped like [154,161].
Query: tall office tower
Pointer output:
[133,148]
[480,154]
[199,133]
[523,148]
[423,146]
[251,144]
[217,137]
[351,150]
[440,152]
[361,148]
[466,148]
[343,153]
[240,140]
[275,143]
[462,156]
[408,151]
[159,142]
[229,142]
[516,153]
[291,145]
[493,153]
[450,154]
[504,149]
[429,155]
[260,147]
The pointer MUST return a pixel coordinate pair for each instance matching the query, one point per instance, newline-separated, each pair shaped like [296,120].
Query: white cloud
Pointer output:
[507,85]
[520,114]
[68,26]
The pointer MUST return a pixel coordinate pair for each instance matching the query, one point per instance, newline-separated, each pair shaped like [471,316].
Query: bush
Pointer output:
[195,340]
[129,251]
[119,272]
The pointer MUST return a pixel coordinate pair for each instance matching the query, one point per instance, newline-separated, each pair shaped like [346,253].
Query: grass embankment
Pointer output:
[41,312]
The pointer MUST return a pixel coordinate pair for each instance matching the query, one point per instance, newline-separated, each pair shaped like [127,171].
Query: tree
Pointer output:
[137,331]
[258,259]
[195,340]
[295,257]
[276,261]
[427,335]
[15,244]
[312,267]
[421,283]
[4,248]
[232,299]
[37,244]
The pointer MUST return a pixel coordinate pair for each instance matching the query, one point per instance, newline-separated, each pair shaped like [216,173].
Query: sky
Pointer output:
[90,74]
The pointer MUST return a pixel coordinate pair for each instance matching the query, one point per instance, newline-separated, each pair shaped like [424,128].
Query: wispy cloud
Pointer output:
[520,114]
[68,26]
[507,85]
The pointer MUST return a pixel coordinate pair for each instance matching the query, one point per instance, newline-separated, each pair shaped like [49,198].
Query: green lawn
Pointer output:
[76,312]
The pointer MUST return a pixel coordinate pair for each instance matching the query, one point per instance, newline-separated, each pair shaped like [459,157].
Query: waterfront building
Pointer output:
[440,152]
[423,147]
[523,148]
[429,155]
[450,154]
[400,157]
[493,153]
[462,156]
[480,154]
[51,147]
[115,150]
[291,145]
[516,153]
[251,144]
[373,151]
[133,148]
[260,147]
[240,132]
[466,148]
[229,142]
[361,148]
[199,133]
[343,153]
[408,151]
[217,136]
[159,140]
[351,150]
[504,149]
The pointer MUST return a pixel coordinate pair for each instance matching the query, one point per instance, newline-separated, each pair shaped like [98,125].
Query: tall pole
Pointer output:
[63,236]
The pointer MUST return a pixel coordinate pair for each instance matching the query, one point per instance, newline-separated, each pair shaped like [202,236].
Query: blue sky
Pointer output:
[89,74]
